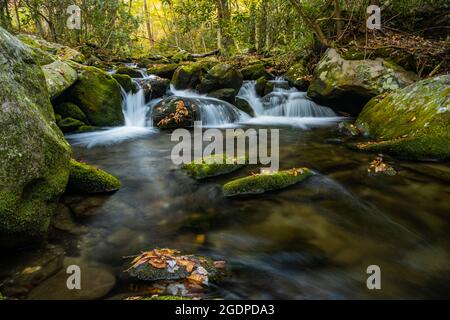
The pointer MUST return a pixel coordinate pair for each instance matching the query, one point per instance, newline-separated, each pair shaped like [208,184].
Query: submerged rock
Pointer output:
[261,183]
[221,76]
[34,156]
[412,123]
[378,168]
[347,85]
[213,166]
[87,179]
[125,82]
[297,76]
[349,129]
[98,95]
[59,77]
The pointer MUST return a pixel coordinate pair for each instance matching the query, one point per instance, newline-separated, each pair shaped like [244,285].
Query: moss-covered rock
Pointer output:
[69,125]
[263,87]
[62,52]
[186,112]
[413,122]
[226,94]
[244,105]
[86,128]
[129,71]
[181,56]
[254,71]
[154,87]
[221,76]
[59,77]
[165,71]
[188,76]
[98,96]
[87,179]
[34,156]
[261,183]
[126,82]
[347,86]
[297,76]
[213,166]
[70,110]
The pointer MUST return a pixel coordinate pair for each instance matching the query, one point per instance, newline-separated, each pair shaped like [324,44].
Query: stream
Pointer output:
[314,240]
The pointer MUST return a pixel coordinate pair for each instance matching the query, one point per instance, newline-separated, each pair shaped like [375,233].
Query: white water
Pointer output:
[286,107]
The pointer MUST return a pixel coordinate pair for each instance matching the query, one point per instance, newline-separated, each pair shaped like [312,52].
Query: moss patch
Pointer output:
[69,125]
[87,179]
[262,183]
[70,110]
[126,82]
[213,166]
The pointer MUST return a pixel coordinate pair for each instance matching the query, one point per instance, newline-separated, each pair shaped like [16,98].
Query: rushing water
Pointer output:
[314,240]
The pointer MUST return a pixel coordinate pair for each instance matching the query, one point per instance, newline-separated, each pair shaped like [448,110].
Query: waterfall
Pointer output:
[285,106]
[135,109]
[213,112]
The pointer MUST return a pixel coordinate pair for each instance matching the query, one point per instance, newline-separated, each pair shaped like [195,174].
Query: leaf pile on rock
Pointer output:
[169,264]
[177,117]
[379,167]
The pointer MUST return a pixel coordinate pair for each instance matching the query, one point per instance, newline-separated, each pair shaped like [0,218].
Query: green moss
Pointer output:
[70,110]
[296,76]
[98,96]
[59,76]
[412,123]
[165,71]
[262,183]
[188,76]
[131,72]
[87,179]
[85,128]
[69,124]
[254,71]
[126,82]
[213,166]
[263,87]
[221,76]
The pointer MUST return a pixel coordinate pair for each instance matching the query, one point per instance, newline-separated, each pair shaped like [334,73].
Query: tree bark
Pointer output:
[148,24]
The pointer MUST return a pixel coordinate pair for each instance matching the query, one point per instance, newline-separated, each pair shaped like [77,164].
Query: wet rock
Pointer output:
[380,168]
[261,183]
[227,94]
[129,71]
[175,112]
[70,110]
[188,76]
[70,125]
[254,71]
[29,269]
[165,71]
[219,77]
[59,77]
[243,105]
[412,123]
[298,76]
[96,283]
[125,82]
[83,207]
[347,85]
[64,221]
[87,179]
[349,129]
[213,166]
[34,162]
[263,87]
[154,87]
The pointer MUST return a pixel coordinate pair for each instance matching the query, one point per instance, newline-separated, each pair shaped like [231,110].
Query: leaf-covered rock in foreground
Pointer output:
[261,183]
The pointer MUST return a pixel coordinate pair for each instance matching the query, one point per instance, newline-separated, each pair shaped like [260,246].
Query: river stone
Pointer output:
[95,284]
[59,77]
[261,183]
[297,76]
[69,125]
[165,71]
[34,156]
[63,221]
[188,76]
[126,82]
[412,123]
[347,85]
[221,76]
[244,106]
[226,94]
[263,87]
[154,87]
[70,110]
[129,71]
[213,166]
[98,96]
[254,71]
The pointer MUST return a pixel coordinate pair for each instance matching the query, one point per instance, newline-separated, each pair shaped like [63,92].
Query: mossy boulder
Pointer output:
[226,94]
[98,96]
[297,76]
[59,77]
[125,82]
[186,111]
[34,156]
[347,85]
[182,56]
[412,123]
[70,110]
[188,76]
[263,87]
[129,71]
[87,179]
[254,71]
[163,70]
[62,52]
[244,106]
[213,166]
[221,76]
[69,125]
[154,87]
[261,183]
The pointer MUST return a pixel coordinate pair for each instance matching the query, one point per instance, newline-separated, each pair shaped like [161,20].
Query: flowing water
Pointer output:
[314,240]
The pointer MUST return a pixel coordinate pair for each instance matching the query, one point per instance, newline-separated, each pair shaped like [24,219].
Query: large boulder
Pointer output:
[412,123]
[297,76]
[98,96]
[34,156]
[221,76]
[154,87]
[126,82]
[254,71]
[347,85]
[59,77]
[129,71]
[188,76]
[163,70]
[70,110]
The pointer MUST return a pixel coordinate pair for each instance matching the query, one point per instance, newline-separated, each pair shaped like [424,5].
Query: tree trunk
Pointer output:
[224,41]
[262,27]
[148,24]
